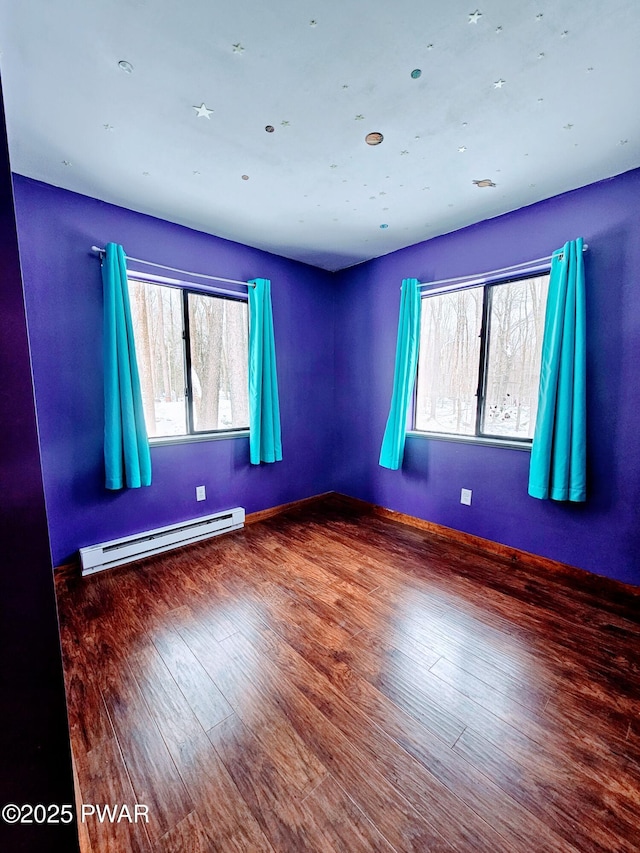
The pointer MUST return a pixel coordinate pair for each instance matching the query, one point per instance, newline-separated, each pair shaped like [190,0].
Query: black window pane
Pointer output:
[516,325]
[156,312]
[448,362]
[219,349]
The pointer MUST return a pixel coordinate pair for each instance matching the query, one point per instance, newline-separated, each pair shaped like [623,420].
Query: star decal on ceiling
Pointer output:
[108,127]
[498,30]
[541,55]
[313,23]
[539,16]
[237,48]
[568,126]
[474,17]
[429,47]
[202,111]
[499,83]
[359,118]
[404,151]
[285,123]
[623,142]
[462,149]
[564,34]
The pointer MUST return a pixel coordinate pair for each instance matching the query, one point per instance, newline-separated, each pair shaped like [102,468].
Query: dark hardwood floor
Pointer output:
[328,680]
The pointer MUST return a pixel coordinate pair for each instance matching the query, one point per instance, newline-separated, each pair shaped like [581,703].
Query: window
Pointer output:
[479,360]
[192,351]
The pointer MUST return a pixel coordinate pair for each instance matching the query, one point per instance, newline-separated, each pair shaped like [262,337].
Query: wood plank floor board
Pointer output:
[517,714]
[518,585]
[332,680]
[509,819]
[372,747]
[327,646]
[462,779]
[393,815]
[103,780]
[155,779]
[202,694]
[341,822]
[618,604]
[223,811]
[188,836]
[591,732]
[258,712]
[576,738]
[171,711]
[89,722]
[280,816]
[550,793]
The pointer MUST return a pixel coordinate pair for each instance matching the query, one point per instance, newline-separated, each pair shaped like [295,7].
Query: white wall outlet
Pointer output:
[465,497]
[201,493]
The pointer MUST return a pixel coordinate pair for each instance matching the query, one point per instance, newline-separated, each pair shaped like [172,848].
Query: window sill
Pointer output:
[192,439]
[473,439]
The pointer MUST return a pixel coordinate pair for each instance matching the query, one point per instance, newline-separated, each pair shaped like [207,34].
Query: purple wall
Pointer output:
[63,290]
[34,739]
[336,343]
[603,535]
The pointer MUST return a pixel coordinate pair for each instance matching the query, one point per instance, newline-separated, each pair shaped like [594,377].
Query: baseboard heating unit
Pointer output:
[107,555]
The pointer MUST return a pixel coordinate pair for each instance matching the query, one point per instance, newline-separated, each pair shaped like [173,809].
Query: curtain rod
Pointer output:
[100,252]
[471,280]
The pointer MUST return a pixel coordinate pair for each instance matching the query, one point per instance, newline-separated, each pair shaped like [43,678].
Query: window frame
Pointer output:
[479,437]
[186,288]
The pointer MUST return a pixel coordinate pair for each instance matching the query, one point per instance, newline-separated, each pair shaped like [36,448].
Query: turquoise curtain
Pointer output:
[404,376]
[126,447]
[558,456]
[265,443]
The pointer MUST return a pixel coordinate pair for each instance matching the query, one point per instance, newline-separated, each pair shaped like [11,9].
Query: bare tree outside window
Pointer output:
[214,343]
[513,357]
[156,312]
[219,362]
[448,362]
[452,388]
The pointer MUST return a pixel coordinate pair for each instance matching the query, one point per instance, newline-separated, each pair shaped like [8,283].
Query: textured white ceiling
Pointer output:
[323,74]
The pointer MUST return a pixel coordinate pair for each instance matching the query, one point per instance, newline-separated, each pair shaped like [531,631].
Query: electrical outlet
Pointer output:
[465,497]
[201,493]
